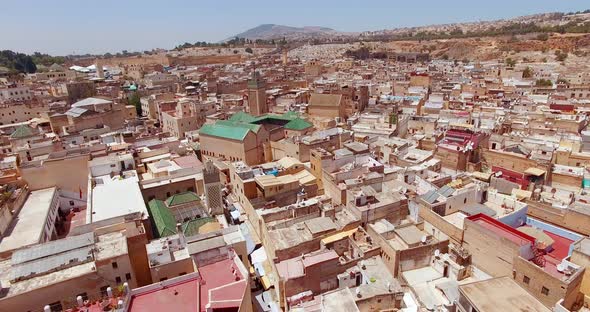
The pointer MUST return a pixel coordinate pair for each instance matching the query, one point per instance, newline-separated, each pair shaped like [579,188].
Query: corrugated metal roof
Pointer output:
[76,111]
[52,263]
[430,197]
[446,191]
[52,248]
[91,101]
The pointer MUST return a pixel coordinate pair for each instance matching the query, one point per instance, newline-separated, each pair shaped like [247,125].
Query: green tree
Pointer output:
[527,72]
[135,101]
[510,62]
[544,83]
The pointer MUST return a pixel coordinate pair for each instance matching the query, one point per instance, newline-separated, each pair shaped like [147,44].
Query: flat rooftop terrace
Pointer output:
[27,227]
[114,197]
[502,229]
[179,297]
[500,295]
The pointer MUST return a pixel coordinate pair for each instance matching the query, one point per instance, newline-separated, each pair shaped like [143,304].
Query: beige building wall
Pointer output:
[19,113]
[247,150]
[574,220]
[114,119]
[539,279]
[52,172]
[173,269]
[455,160]
[130,112]
[326,111]
[162,192]
[583,259]
[509,161]
[110,269]
[568,158]
[491,253]
[178,126]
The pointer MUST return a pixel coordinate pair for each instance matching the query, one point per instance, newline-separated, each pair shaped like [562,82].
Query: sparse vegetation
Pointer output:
[135,101]
[527,73]
[560,56]
[510,62]
[543,37]
[512,29]
[544,83]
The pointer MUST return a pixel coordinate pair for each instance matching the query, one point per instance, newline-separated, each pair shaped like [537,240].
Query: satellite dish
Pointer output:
[437,253]
[423,239]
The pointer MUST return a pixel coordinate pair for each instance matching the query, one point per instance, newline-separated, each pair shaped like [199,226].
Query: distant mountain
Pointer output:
[273,31]
[577,22]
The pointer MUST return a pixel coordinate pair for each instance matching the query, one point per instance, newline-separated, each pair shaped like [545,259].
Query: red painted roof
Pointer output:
[562,107]
[508,172]
[220,286]
[502,229]
[561,246]
[179,297]
[216,285]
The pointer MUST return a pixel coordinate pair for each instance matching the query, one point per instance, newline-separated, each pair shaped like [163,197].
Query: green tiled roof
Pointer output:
[298,124]
[238,125]
[228,132]
[22,132]
[165,224]
[242,117]
[192,227]
[182,198]
[288,116]
[253,127]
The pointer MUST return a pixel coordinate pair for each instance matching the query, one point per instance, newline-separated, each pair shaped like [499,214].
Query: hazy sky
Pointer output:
[97,26]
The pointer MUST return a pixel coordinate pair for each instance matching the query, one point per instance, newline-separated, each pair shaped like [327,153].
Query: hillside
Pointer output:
[546,22]
[273,31]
